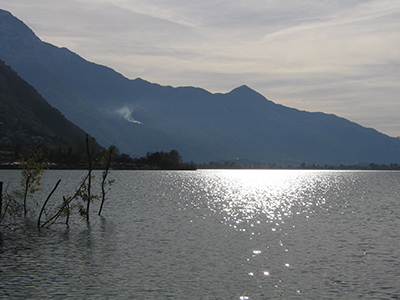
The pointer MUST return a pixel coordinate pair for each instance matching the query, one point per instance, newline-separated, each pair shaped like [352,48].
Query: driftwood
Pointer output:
[89,178]
[47,200]
[103,182]
[1,198]
[55,217]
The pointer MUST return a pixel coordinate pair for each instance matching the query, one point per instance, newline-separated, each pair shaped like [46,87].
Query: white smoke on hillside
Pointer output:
[126,113]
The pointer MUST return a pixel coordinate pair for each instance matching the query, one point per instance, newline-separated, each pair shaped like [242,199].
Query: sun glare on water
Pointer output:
[253,196]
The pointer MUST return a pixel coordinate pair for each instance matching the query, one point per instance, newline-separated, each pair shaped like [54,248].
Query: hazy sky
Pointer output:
[340,57]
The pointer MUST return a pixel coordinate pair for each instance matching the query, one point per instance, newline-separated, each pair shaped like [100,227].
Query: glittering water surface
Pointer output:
[248,234]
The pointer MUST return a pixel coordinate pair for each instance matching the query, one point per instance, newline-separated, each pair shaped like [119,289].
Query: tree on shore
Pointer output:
[22,203]
[33,167]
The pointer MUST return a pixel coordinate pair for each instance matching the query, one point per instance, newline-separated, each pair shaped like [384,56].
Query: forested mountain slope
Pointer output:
[26,118]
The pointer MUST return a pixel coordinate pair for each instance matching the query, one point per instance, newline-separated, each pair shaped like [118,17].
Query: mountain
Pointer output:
[26,118]
[139,116]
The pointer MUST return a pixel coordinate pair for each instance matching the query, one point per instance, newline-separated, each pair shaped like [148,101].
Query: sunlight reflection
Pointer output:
[244,197]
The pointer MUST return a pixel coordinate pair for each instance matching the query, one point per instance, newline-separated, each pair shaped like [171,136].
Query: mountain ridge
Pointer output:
[139,116]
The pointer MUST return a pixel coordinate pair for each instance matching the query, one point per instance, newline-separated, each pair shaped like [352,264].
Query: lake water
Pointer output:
[237,234]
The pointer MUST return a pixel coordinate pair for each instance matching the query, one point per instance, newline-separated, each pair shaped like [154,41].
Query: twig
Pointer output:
[105,173]
[54,218]
[45,202]
[89,178]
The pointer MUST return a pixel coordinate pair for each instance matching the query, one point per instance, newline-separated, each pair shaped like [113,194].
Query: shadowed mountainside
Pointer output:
[26,118]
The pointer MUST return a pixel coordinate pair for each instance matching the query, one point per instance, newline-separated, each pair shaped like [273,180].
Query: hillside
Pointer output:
[26,118]
[138,116]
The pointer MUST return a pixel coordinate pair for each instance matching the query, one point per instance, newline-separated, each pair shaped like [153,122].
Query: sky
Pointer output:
[333,56]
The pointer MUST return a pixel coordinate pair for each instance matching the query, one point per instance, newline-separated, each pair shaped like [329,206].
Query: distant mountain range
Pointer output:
[138,116]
